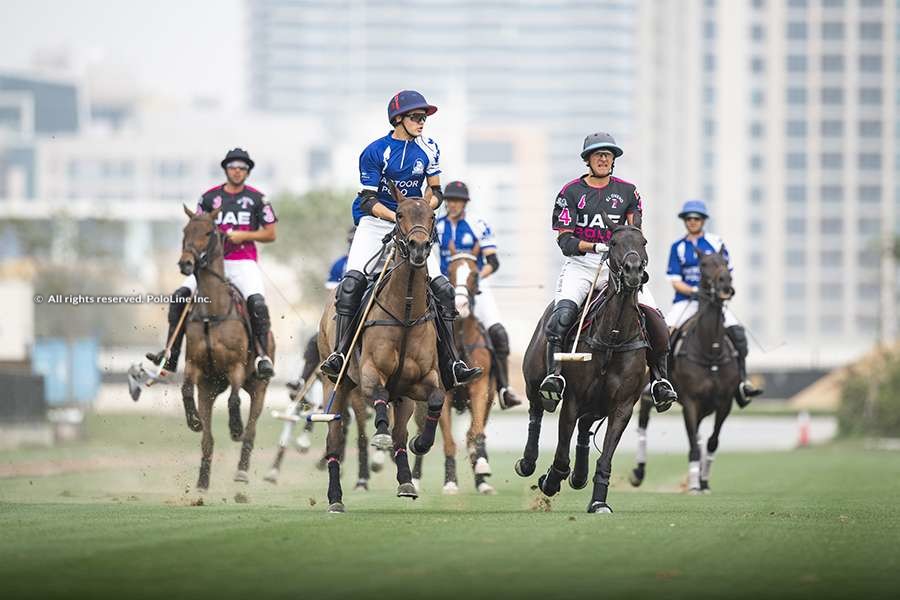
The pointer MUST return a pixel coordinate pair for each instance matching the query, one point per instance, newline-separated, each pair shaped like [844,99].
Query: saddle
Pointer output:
[679,348]
[593,313]
[237,310]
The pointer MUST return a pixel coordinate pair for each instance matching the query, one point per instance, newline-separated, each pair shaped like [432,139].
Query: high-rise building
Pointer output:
[782,115]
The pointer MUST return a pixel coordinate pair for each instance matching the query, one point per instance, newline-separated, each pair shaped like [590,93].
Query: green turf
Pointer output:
[814,523]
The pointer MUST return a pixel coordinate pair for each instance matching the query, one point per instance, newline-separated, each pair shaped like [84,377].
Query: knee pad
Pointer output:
[563,317]
[739,338]
[350,293]
[499,339]
[176,307]
[259,312]
[444,292]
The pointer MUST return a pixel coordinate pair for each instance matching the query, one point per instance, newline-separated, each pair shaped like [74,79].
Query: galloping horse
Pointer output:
[219,352]
[705,374]
[607,387]
[474,346]
[397,360]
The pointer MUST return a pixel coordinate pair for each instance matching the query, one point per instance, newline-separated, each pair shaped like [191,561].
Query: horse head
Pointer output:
[200,238]
[627,254]
[715,277]
[414,232]
[463,274]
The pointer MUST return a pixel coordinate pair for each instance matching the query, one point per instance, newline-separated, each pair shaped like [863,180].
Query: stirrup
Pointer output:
[156,357]
[552,389]
[330,369]
[509,402]
[468,374]
[663,404]
[267,370]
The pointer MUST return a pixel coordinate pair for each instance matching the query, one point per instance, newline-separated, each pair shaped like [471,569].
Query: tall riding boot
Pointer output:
[176,307]
[746,390]
[348,298]
[454,371]
[661,389]
[500,341]
[563,317]
[260,324]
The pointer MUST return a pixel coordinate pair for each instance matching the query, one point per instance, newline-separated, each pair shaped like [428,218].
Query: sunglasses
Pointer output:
[417,117]
[693,218]
[238,165]
[603,154]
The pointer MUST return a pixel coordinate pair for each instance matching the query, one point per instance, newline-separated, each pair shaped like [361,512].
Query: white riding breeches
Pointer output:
[244,274]
[367,242]
[578,273]
[486,309]
[683,310]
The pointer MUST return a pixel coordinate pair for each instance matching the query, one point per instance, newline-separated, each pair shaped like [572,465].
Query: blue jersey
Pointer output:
[465,235]
[337,272]
[684,264]
[407,163]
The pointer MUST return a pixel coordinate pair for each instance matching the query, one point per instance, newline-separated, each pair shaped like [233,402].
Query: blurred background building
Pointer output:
[781,114]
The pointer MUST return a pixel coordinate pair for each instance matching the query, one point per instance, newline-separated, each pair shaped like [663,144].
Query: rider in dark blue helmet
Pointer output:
[410,162]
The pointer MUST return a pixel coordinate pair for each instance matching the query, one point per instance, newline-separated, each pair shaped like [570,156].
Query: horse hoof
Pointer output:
[543,480]
[303,443]
[482,467]
[362,484]
[450,488]
[194,424]
[635,478]
[383,441]
[271,476]
[236,434]
[486,489]
[548,404]
[525,468]
[417,483]
[695,491]
[575,484]
[336,508]
[599,508]
[704,486]
[241,476]
[202,487]
[407,490]
[377,461]
[415,448]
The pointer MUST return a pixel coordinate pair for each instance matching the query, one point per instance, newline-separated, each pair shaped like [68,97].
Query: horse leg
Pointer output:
[419,415]
[692,426]
[287,430]
[235,424]
[403,410]
[451,484]
[362,440]
[722,411]
[206,399]
[382,438]
[257,400]
[478,456]
[578,478]
[615,425]
[639,471]
[187,398]
[334,444]
[525,466]
[549,483]
[423,442]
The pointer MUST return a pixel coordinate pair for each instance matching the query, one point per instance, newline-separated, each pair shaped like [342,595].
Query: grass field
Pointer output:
[113,517]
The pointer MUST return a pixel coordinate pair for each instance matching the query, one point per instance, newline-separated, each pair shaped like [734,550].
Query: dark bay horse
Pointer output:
[606,387]
[473,344]
[705,374]
[396,365]
[219,354]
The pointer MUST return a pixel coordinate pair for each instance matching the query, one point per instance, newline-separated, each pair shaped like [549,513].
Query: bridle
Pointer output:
[202,257]
[401,241]
[712,292]
[617,273]
[462,289]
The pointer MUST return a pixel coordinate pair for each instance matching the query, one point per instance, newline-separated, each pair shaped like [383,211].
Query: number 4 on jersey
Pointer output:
[564,217]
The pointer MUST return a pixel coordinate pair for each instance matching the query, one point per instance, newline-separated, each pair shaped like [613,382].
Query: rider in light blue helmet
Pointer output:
[684,273]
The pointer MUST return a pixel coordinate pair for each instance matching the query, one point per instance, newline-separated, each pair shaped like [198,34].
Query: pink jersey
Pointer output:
[248,210]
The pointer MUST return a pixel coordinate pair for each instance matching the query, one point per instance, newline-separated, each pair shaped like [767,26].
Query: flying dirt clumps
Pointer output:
[241,498]
[540,503]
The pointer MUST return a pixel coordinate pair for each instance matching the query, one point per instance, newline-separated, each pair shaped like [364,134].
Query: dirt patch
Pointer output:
[540,503]
[241,498]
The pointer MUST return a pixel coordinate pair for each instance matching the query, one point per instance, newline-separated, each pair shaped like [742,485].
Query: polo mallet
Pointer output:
[137,375]
[574,356]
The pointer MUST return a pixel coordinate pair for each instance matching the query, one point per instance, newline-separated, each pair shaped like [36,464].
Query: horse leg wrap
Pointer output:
[601,482]
[401,459]
[642,446]
[362,445]
[550,482]
[235,424]
[246,450]
[417,467]
[582,453]
[335,494]
[449,469]
[205,468]
[381,415]
[534,433]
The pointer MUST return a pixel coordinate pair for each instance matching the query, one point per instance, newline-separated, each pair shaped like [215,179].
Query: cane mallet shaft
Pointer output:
[292,407]
[359,328]
[171,342]
[575,356]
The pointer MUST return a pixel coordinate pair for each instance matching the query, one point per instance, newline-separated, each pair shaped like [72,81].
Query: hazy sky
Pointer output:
[183,48]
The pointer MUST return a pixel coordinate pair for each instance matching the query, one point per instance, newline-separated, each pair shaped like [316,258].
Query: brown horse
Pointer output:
[607,387]
[397,360]
[219,354]
[473,345]
[705,374]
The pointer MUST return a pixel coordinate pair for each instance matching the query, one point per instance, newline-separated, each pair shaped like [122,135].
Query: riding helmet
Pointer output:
[406,101]
[694,207]
[238,154]
[456,190]
[599,141]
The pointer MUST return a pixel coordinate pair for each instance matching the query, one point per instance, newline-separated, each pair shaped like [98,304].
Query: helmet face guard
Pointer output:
[600,141]
[407,101]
